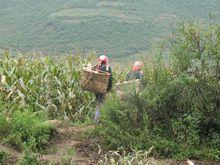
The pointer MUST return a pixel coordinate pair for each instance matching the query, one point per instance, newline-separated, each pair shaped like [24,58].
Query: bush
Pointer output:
[25,126]
[178,110]
[123,124]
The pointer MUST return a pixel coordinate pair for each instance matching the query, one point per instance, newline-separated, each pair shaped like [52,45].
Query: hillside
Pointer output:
[172,114]
[118,28]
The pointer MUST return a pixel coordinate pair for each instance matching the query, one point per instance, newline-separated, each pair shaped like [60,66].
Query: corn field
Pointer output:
[45,85]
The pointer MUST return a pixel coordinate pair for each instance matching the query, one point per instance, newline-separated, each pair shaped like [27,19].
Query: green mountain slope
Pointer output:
[118,28]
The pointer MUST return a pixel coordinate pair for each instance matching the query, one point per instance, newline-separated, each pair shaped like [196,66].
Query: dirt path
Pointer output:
[61,150]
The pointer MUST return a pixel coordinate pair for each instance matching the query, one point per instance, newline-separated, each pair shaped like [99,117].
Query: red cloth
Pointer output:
[135,68]
[102,60]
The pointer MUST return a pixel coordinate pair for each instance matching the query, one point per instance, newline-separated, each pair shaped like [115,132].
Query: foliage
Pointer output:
[196,49]
[36,90]
[116,28]
[3,157]
[118,75]
[4,125]
[178,109]
[132,158]
[123,123]
[28,158]
[25,127]
[45,85]
[67,159]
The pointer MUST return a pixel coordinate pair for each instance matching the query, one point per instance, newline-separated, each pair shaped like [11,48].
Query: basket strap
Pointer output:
[107,68]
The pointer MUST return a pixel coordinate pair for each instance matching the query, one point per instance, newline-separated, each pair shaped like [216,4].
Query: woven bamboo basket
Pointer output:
[125,86]
[94,81]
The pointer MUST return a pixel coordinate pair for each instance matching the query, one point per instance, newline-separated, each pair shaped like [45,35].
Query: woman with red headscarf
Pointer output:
[136,72]
[102,66]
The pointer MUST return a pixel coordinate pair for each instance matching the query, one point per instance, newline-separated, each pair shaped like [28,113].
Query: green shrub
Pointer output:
[123,124]
[25,126]
[28,158]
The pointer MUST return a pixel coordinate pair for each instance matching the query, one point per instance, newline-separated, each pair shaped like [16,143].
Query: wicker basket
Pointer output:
[94,81]
[128,85]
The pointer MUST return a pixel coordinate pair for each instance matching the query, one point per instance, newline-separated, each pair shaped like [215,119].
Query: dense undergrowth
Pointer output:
[37,90]
[178,109]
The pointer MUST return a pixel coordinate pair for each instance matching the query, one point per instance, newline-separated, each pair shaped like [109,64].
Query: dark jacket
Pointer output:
[134,75]
[108,69]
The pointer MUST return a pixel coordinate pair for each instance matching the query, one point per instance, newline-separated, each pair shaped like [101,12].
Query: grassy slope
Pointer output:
[119,28]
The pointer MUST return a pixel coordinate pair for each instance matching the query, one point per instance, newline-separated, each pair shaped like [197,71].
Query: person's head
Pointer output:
[103,60]
[136,66]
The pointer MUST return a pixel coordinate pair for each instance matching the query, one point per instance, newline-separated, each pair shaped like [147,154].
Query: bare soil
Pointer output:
[62,149]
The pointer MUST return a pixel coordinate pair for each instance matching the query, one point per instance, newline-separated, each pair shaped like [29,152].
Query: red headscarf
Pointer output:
[102,60]
[136,66]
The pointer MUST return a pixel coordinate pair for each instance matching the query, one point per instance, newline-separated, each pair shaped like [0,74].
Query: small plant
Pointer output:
[28,158]
[67,159]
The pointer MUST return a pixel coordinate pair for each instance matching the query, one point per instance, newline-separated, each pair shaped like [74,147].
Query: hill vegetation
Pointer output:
[118,28]
[177,110]
[175,114]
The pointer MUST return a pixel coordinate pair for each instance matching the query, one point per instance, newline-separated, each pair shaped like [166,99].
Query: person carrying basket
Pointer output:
[102,66]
